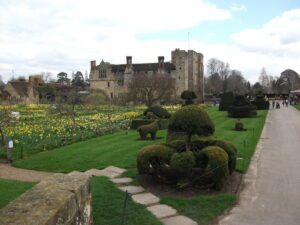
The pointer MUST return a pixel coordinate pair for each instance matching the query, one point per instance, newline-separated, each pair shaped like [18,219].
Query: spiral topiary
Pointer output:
[260,102]
[241,107]
[226,100]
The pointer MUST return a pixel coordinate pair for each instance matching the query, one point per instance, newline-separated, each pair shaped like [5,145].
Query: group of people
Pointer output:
[285,102]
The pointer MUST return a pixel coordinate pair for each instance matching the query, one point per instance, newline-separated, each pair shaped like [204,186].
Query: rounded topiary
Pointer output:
[182,164]
[158,111]
[218,162]
[188,96]
[241,107]
[153,159]
[226,100]
[192,120]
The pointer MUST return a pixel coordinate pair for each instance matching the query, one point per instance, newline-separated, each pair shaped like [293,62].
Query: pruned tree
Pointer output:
[148,89]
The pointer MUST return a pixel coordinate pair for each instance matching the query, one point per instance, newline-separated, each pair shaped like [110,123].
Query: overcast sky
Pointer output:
[65,35]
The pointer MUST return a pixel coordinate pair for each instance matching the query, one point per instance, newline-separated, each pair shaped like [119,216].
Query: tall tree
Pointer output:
[78,80]
[236,82]
[62,77]
[223,69]
[149,89]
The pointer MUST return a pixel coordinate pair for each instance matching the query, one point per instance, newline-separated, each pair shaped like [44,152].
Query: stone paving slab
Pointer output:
[132,189]
[162,211]
[119,181]
[114,169]
[178,220]
[145,198]
[77,173]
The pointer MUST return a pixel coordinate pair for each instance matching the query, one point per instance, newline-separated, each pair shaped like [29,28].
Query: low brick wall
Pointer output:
[57,200]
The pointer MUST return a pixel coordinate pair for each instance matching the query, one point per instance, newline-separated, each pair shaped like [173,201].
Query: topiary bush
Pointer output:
[190,157]
[260,102]
[188,96]
[163,123]
[158,111]
[241,107]
[217,161]
[226,101]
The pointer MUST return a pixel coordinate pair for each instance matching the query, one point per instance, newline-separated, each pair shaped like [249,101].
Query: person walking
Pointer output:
[273,103]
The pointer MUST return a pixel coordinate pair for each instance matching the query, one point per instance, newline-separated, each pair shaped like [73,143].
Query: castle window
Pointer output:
[108,84]
[120,83]
[102,73]
[111,95]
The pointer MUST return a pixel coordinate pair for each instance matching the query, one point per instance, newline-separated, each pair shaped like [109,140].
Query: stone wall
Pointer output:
[57,200]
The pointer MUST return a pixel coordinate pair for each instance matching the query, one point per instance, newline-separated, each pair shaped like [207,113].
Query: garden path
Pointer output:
[12,173]
[271,185]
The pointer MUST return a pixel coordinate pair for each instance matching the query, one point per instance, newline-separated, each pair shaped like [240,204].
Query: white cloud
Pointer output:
[64,35]
[56,35]
[238,8]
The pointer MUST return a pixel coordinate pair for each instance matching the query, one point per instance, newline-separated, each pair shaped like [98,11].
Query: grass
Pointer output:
[202,209]
[297,106]
[108,206]
[120,150]
[10,190]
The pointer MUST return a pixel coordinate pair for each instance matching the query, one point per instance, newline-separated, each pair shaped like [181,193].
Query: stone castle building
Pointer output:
[186,67]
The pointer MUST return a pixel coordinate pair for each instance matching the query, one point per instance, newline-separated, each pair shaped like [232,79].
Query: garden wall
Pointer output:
[57,200]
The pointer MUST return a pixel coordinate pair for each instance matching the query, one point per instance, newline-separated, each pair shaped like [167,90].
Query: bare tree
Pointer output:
[67,103]
[148,89]
[223,69]
[236,82]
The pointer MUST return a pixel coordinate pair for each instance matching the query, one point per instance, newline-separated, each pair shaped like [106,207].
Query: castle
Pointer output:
[186,67]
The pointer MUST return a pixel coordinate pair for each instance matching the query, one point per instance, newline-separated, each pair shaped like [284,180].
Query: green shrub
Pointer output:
[192,120]
[218,163]
[188,96]
[153,159]
[241,107]
[182,164]
[260,102]
[157,110]
[226,100]
[163,123]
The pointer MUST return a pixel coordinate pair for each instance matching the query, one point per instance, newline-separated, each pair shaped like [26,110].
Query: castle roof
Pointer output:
[140,67]
[21,87]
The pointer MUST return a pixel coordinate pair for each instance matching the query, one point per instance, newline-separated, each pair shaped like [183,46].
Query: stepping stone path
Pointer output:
[166,214]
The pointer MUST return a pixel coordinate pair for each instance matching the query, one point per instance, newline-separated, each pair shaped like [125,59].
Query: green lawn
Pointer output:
[120,150]
[108,206]
[202,209]
[10,190]
[297,106]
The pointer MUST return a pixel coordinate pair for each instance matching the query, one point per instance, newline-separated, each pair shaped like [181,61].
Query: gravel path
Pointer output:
[12,173]
[271,195]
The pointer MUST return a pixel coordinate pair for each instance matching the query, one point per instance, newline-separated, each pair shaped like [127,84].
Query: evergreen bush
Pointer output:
[241,107]
[157,110]
[188,96]
[226,101]
[260,102]
[217,161]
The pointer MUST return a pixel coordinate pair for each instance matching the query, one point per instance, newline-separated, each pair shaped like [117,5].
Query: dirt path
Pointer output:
[12,173]
[271,195]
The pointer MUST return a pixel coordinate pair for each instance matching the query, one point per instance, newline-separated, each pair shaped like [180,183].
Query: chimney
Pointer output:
[129,60]
[93,64]
[161,62]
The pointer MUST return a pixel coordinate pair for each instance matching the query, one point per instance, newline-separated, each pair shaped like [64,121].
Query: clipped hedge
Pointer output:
[158,111]
[192,119]
[241,108]
[226,101]
[260,102]
[217,160]
[163,123]
[154,159]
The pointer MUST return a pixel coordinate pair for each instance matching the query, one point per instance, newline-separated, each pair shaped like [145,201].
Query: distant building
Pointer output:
[186,67]
[21,91]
